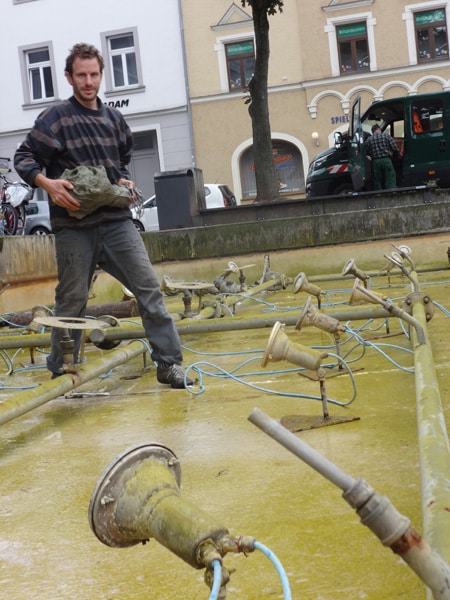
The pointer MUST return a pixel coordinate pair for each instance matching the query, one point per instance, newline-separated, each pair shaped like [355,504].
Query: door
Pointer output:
[145,162]
[357,153]
[143,167]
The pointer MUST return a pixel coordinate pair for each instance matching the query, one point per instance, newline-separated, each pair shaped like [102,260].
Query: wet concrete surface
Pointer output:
[52,457]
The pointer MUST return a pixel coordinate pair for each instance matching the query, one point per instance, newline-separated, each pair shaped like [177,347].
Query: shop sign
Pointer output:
[118,103]
[430,17]
[339,119]
[351,30]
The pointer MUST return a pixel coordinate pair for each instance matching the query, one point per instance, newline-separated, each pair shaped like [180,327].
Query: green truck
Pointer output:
[419,125]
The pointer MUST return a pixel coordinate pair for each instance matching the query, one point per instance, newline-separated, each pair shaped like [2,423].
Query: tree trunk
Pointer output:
[266,181]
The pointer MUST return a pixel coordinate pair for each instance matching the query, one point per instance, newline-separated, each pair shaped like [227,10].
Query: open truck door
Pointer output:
[357,151]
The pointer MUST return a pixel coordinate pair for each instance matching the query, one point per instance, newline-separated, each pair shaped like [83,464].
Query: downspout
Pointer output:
[186,83]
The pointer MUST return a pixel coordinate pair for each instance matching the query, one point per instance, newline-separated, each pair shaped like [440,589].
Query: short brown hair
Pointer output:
[83,51]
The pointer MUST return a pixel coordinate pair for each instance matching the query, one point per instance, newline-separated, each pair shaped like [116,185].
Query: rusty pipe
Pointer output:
[375,511]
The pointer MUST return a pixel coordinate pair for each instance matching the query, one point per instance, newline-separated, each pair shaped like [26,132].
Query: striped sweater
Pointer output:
[68,134]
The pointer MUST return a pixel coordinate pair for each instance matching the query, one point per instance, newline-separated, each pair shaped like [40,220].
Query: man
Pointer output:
[382,149]
[82,131]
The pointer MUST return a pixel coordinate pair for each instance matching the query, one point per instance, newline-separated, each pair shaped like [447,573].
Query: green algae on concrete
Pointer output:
[51,460]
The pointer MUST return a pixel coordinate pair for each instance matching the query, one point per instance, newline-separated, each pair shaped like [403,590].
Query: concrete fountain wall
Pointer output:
[319,242]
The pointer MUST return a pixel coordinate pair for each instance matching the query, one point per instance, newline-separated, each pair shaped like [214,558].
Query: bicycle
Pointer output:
[15,196]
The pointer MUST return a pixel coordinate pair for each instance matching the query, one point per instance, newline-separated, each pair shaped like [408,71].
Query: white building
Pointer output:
[144,77]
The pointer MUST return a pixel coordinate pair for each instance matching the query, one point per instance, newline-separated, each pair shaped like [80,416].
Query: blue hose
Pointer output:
[281,572]
[217,580]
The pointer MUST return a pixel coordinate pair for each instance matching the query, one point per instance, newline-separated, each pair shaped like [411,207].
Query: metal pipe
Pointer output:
[27,400]
[188,326]
[301,449]
[375,511]
[434,449]
[397,312]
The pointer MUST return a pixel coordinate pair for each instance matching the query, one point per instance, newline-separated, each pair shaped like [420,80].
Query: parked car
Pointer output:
[148,219]
[37,221]
[217,195]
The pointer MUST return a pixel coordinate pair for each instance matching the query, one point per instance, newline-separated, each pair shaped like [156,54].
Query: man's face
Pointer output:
[85,80]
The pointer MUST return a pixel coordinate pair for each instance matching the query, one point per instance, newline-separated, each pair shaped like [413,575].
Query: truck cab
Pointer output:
[419,125]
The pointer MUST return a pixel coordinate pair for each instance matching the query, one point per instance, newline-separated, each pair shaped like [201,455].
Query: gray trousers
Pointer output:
[118,249]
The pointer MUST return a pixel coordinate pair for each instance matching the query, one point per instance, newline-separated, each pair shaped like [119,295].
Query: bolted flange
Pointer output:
[109,488]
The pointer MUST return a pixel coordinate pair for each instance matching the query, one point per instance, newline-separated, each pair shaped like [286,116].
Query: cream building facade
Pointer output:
[323,55]
[177,71]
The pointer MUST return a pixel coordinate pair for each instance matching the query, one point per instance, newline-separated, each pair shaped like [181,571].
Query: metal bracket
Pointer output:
[414,298]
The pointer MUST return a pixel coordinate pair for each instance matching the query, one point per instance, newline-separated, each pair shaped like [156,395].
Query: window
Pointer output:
[122,68]
[431,35]
[38,73]
[353,47]
[288,167]
[352,44]
[123,61]
[427,116]
[240,64]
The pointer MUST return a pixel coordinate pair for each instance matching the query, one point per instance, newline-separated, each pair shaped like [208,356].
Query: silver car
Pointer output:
[37,221]
[217,195]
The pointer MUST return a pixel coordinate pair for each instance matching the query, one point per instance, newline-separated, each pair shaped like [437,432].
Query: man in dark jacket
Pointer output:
[82,131]
[382,149]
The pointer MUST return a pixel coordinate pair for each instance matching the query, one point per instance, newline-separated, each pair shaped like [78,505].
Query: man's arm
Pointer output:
[58,191]
[394,147]
[30,169]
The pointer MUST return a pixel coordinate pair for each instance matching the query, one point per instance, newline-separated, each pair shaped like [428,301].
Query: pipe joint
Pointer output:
[381,517]
[358,494]
[377,512]
[405,316]
[207,552]
[242,544]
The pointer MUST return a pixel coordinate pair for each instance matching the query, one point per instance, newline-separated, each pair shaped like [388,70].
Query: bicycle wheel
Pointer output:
[10,219]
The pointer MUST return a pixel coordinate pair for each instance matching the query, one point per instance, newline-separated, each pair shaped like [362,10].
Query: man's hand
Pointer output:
[127,182]
[58,190]
[130,187]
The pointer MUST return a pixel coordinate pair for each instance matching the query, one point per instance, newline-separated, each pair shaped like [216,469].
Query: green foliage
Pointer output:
[270,7]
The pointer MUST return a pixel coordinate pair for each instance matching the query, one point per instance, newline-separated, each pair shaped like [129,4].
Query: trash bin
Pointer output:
[179,196]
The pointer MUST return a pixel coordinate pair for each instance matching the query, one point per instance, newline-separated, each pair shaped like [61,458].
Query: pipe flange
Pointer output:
[71,322]
[102,505]
[188,285]
[414,298]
